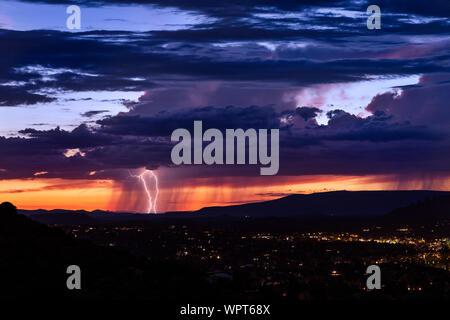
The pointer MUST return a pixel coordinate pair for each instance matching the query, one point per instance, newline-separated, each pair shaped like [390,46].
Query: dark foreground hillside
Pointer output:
[430,209]
[34,259]
[326,204]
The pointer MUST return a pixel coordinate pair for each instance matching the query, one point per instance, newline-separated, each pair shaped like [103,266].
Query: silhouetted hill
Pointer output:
[35,258]
[81,217]
[428,209]
[327,204]
[66,218]
[316,206]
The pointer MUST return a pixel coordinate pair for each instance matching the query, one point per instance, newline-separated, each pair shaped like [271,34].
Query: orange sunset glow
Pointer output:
[90,195]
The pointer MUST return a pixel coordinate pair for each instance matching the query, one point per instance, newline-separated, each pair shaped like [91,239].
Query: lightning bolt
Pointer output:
[152,202]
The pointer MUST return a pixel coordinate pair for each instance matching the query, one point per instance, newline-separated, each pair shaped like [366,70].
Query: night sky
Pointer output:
[82,110]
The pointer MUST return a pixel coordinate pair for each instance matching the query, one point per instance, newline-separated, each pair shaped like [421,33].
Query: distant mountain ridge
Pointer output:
[300,206]
[327,204]
[73,217]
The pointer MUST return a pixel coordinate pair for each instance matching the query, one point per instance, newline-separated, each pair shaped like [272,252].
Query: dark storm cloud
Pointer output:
[333,47]
[81,62]
[12,96]
[126,141]
[90,114]
[412,158]
[80,82]
[80,137]
[44,150]
[408,133]
[75,63]
[232,8]
[376,128]
[380,143]
[22,158]
[341,126]
[324,20]
[437,8]
[163,123]
[426,103]
[239,8]
[307,112]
